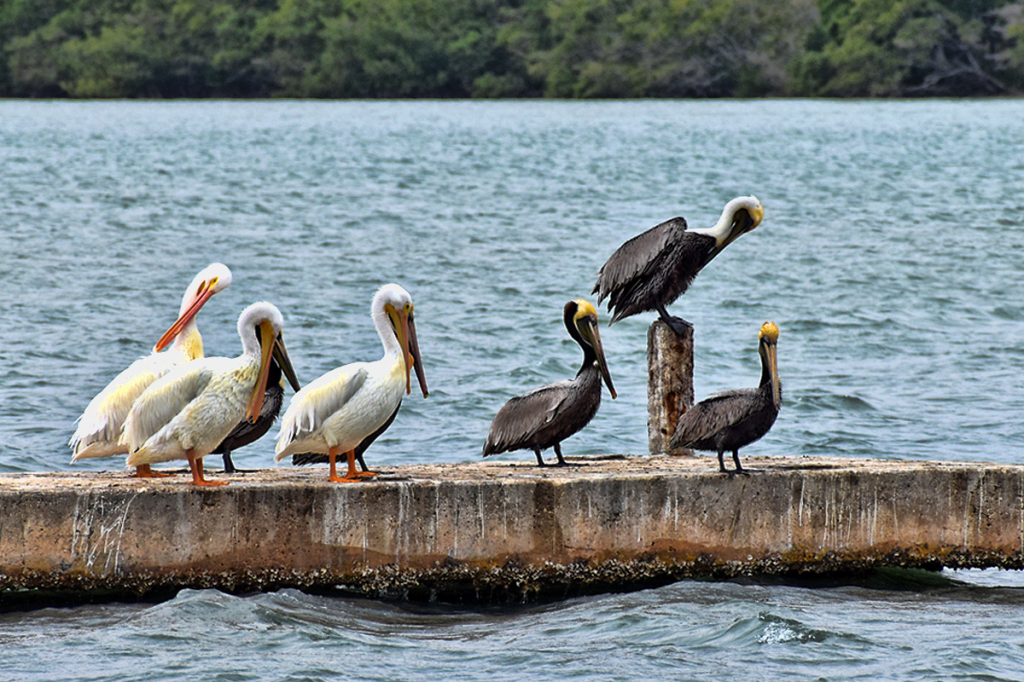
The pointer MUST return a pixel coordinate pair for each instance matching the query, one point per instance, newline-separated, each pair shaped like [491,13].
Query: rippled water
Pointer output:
[941,630]
[891,256]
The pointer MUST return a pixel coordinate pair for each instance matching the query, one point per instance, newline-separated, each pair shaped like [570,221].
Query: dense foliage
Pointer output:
[510,48]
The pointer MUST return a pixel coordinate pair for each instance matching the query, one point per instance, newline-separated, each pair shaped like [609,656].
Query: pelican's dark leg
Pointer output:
[229,466]
[362,464]
[540,460]
[736,458]
[721,464]
[676,324]
[561,460]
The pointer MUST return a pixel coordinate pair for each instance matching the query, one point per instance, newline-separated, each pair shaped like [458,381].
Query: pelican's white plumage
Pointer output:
[186,413]
[99,427]
[334,413]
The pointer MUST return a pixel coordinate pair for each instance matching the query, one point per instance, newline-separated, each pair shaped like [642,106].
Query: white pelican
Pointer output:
[189,411]
[99,427]
[335,413]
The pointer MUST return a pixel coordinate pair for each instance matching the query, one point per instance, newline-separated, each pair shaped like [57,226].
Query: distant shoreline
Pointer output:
[511,49]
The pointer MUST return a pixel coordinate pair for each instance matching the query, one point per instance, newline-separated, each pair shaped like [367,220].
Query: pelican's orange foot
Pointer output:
[144,471]
[209,483]
[340,479]
[196,465]
[365,474]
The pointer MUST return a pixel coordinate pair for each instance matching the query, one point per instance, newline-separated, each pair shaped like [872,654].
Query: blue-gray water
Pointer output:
[891,256]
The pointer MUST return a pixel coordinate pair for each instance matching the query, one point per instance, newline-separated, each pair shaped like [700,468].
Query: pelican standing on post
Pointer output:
[99,427]
[190,410]
[336,413]
[656,267]
[731,420]
[546,416]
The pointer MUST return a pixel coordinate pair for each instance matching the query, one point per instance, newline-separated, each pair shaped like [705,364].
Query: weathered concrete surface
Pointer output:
[500,531]
[669,385]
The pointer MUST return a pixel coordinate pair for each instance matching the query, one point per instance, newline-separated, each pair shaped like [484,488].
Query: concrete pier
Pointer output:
[506,530]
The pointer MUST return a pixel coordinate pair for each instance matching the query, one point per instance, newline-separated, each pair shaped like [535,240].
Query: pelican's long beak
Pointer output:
[267,344]
[590,332]
[280,354]
[405,329]
[414,350]
[203,294]
[771,357]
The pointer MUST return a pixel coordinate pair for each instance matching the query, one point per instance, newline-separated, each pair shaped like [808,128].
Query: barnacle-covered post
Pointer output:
[669,384]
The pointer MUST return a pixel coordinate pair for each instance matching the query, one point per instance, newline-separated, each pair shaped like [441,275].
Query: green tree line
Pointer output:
[510,48]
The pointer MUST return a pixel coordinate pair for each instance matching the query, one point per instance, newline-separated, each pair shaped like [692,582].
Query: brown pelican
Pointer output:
[187,412]
[340,410]
[656,267]
[546,416]
[246,432]
[99,427]
[731,420]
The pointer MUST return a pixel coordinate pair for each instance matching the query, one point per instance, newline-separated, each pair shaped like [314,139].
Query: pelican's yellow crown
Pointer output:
[769,331]
[584,309]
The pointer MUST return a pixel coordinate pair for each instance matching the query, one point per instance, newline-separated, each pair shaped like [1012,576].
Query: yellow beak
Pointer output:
[267,344]
[405,330]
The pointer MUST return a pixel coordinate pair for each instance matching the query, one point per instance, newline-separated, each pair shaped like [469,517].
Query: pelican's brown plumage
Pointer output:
[731,420]
[656,267]
[546,416]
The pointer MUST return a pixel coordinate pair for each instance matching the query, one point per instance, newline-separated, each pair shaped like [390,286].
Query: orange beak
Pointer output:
[202,296]
[267,342]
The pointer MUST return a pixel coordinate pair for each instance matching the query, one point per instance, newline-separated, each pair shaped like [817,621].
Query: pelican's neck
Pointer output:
[766,366]
[386,332]
[589,355]
[189,342]
[250,341]
[721,230]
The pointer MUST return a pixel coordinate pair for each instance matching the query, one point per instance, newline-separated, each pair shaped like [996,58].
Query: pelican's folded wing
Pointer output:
[521,417]
[101,422]
[710,416]
[314,404]
[164,399]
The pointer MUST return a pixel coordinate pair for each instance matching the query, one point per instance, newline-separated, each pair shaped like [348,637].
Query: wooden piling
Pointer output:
[669,385]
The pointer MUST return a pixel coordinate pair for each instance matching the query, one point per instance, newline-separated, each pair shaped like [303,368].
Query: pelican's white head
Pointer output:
[214,278]
[254,315]
[741,215]
[259,327]
[211,279]
[392,312]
